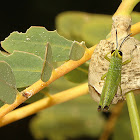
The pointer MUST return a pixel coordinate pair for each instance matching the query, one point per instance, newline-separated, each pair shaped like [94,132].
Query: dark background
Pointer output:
[20,15]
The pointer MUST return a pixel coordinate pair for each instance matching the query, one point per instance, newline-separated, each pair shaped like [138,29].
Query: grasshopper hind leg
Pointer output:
[102,96]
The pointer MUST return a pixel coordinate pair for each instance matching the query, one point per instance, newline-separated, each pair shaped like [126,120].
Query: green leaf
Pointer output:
[69,24]
[27,50]
[77,50]
[73,119]
[26,67]
[97,29]
[47,66]
[8,89]
[84,26]
[78,75]
[35,41]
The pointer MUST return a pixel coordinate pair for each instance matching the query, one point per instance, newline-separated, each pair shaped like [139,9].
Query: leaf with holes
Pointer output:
[26,67]
[35,41]
[73,119]
[83,26]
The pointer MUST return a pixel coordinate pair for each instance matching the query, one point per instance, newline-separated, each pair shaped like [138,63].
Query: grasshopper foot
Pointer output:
[99,108]
[106,108]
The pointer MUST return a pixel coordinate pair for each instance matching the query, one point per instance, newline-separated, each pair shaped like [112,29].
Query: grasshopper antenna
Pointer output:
[124,40]
[116,39]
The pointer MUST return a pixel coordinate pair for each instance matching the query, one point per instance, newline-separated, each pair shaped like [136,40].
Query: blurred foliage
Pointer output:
[90,28]
[78,75]
[35,40]
[72,119]
[81,26]
[123,130]
[135,19]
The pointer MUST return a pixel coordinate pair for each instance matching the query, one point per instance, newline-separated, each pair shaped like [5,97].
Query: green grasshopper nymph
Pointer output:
[113,76]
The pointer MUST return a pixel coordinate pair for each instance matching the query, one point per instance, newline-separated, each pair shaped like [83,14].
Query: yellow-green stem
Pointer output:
[134,115]
[126,7]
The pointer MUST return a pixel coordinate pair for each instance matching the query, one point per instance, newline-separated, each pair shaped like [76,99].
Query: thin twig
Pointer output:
[44,103]
[126,7]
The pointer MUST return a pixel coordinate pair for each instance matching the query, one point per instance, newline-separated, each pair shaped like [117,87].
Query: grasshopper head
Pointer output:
[116,53]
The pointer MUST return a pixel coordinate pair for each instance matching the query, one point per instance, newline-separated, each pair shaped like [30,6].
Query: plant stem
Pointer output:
[134,115]
[126,7]
[135,29]
[44,103]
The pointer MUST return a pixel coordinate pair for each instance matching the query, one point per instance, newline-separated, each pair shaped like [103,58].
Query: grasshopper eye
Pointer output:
[112,51]
[120,53]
